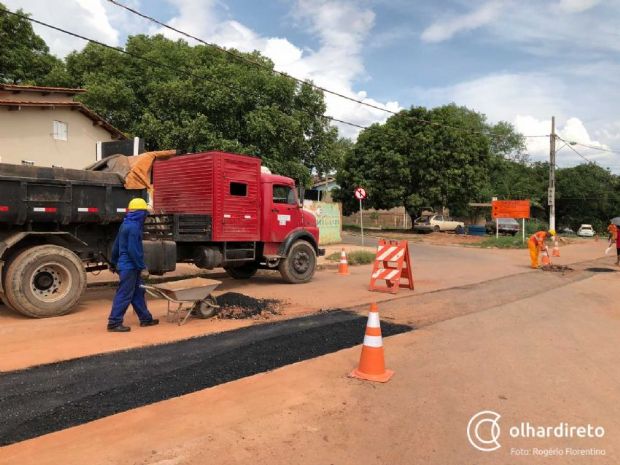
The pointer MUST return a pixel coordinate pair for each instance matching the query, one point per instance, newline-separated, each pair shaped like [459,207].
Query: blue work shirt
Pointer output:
[127,252]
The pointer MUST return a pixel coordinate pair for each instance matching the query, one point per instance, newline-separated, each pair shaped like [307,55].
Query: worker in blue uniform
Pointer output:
[128,261]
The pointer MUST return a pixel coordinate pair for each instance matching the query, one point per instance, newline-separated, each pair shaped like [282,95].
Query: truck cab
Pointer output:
[241,219]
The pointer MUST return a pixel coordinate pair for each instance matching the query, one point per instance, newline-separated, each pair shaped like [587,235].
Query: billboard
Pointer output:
[328,219]
[510,209]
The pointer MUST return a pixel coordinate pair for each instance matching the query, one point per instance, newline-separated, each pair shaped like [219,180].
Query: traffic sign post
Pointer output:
[360,194]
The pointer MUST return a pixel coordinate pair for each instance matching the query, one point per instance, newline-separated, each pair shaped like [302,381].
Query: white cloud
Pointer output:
[445,29]
[576,6]
[570,130]
[528,100]
[341,28]
[86,17]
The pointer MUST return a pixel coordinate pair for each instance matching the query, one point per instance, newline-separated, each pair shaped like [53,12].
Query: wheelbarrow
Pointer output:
[189,296]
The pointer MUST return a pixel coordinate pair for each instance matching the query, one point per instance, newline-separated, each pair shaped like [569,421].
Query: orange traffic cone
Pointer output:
[555,252]
[343,266]
[545,258]
[372,361]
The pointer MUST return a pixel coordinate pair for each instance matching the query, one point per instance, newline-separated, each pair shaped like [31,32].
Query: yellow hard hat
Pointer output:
[552,232]
[137,204]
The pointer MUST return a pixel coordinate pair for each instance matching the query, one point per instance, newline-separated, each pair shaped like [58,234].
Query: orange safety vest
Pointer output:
[539,238]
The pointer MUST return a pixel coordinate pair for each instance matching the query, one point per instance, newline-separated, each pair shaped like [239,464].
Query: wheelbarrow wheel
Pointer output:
[206,308]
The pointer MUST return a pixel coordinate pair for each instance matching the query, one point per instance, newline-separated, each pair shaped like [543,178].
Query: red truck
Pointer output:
[218,209]
[213,209]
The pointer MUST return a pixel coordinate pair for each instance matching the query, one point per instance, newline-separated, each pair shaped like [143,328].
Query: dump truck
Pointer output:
[212,209]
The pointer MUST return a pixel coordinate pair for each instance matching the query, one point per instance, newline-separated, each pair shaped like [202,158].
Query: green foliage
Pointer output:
[207,100]
[355,257]
[502,242]
[587,194]
[406,162]
[24,56]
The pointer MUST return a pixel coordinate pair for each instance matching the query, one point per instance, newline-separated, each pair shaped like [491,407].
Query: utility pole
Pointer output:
[551,194]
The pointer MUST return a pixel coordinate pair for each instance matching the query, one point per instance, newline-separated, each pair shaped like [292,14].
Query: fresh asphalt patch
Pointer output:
[53,397]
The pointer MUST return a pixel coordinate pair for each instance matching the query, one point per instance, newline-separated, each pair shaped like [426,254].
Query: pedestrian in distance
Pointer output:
[128,260]
[537,243]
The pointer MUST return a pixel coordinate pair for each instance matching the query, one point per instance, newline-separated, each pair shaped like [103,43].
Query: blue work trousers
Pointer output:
[129,292]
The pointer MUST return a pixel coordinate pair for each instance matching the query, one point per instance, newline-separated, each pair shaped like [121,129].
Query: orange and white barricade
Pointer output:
[392,264]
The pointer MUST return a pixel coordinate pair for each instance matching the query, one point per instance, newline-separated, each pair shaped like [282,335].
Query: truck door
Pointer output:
[286,212]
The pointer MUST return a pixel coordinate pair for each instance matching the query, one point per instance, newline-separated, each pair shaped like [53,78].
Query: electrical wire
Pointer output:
[282,73]
[234,88]
[593,147]
[155,62]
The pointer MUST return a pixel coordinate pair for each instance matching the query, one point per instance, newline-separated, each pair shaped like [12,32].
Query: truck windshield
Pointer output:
[284,194]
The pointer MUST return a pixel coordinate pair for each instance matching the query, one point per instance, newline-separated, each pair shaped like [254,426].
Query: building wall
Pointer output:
[396,218]
[27,134]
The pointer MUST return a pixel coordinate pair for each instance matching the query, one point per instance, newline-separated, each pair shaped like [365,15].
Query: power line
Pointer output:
[234,88]
[154,62]
[296,79]
[593,147]
[568,144]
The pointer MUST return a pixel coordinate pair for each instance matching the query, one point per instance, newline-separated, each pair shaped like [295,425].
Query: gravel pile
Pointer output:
[556,268]
[238,306]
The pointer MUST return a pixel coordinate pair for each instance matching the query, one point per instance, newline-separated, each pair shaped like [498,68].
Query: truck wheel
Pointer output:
[245,271]
[300,263]
[44,281]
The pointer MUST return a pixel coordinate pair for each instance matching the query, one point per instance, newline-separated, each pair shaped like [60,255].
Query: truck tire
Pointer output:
[44,281]
[300,263]
[245,271]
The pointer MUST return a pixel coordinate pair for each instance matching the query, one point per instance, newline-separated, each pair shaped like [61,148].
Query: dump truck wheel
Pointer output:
[299,265]
[242,272]
[45,281]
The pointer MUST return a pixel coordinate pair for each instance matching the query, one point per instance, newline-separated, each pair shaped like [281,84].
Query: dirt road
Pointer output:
[533,346]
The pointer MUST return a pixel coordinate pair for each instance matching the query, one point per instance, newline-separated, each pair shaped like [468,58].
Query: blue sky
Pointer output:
[515,60]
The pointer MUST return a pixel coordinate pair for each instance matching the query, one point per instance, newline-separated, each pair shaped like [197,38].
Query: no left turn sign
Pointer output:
[360,193]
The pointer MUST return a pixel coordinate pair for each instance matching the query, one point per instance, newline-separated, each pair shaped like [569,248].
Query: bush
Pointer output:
[356,257]
[503,242]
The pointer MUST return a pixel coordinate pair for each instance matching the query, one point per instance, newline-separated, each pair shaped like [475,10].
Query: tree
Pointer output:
[419,158]
[24,56]
[204,99]
[587,194]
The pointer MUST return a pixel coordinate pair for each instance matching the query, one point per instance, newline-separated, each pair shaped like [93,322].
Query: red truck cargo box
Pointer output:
[223,185]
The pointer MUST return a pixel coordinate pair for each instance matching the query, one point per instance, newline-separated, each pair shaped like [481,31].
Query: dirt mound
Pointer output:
[238,306]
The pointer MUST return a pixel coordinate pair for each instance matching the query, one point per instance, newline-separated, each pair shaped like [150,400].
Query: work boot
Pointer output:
[152,322]
[119,328]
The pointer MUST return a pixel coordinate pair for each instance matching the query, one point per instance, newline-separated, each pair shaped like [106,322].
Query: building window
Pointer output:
[60,130]
[238,189]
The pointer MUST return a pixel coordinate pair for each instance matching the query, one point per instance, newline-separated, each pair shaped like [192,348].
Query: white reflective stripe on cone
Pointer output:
[373,341]
[373,320]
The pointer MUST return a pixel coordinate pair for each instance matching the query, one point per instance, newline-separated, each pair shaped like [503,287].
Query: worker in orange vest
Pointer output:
[537,243]
[612,229]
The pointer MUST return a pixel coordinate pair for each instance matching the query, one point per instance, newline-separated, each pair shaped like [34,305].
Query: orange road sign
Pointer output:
[510,209]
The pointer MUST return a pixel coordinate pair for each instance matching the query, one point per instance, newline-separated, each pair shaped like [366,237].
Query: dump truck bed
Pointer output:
[33,194]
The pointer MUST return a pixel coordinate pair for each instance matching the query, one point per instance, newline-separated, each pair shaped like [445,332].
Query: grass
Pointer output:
[503,242]
[356,257]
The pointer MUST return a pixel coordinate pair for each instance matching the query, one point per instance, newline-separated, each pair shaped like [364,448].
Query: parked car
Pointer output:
[505,226]
[585,230]
[436,223]
[566,231]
